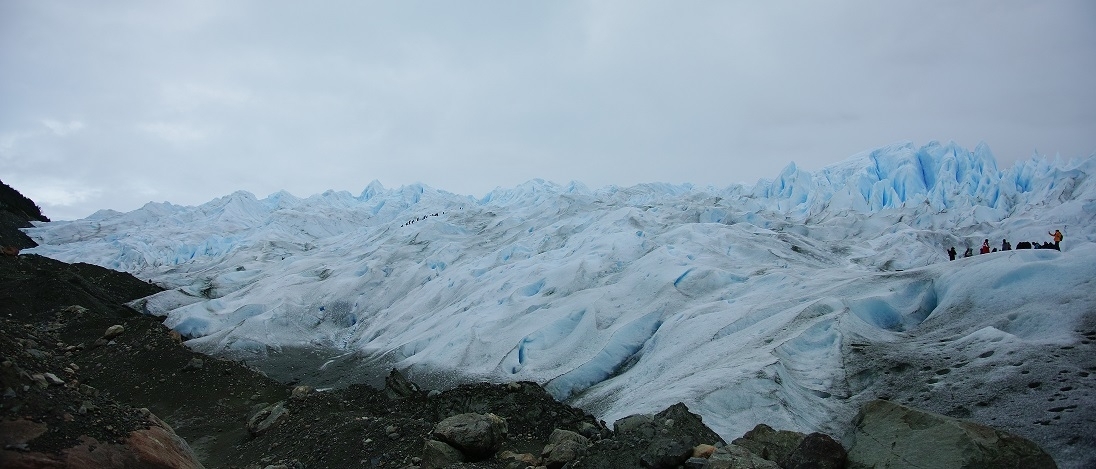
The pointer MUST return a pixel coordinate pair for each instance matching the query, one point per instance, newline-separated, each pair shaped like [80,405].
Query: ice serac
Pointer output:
[902,175]
[790,302]
[374,189]
[791,190]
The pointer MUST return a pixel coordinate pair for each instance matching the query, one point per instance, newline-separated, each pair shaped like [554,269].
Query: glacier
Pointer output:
[788,302]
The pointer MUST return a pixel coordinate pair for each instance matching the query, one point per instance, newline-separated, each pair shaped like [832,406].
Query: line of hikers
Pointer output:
[413,220]
[1005,246]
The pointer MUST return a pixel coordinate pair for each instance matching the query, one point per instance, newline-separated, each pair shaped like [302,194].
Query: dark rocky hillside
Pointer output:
[16,211]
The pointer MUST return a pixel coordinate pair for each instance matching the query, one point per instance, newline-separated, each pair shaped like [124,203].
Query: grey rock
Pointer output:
[38,353]
[563,447]
[560,435]
[397,386]
[512,460]
[437,454]
[75,309]
[663,440]
[266,418]
[194,364]
[697,463]
[639,423]
[589,430]
[774,445]
[816,451]
[476,435]
[87,406]
[889,435]
[733,456]
[114,331]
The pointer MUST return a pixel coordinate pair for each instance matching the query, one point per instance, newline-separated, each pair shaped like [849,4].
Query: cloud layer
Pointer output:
[115,104]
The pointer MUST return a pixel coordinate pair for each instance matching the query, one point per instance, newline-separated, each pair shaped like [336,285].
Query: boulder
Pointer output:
[890,435]
[774,445]
[638,424]
[266,418]
[477,436]
[703,451]
[159,446]
[437,454]
[156,446]
[521,460]
[563,447]
[396,386]
[663,440]
[114,331]
[733,456]
[816,451]
[15,434]
[696,462]
[591,431]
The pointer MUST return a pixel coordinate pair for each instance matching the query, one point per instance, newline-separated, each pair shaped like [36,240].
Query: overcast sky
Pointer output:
[111,104]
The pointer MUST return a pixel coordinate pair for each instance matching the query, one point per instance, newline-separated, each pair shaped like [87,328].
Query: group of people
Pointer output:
[1005,246]
[413,220]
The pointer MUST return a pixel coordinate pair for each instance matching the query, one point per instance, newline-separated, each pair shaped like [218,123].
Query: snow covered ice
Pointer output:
[789,302]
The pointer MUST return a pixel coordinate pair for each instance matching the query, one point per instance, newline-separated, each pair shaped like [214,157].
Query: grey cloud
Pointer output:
[188,101]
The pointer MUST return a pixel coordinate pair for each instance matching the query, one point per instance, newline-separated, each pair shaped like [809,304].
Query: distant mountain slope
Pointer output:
[789,302]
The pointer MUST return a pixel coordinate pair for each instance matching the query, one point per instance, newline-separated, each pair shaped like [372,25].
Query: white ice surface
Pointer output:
[790,302]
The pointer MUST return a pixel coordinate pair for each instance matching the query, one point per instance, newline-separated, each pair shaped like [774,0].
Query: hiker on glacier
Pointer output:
[1057,235]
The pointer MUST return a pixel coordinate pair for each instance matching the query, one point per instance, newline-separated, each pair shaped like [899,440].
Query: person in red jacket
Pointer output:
[985,247]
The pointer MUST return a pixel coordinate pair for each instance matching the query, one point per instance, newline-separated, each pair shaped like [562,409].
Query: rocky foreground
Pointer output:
[87,382]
